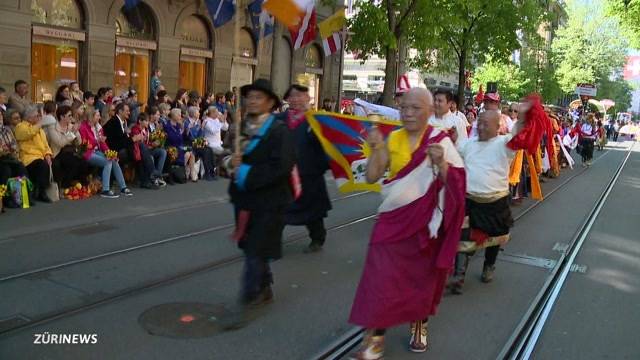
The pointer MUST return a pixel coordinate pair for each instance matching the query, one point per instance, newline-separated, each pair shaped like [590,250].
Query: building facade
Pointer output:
[53,42]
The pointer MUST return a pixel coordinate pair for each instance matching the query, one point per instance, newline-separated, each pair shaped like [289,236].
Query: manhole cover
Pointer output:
[183,320]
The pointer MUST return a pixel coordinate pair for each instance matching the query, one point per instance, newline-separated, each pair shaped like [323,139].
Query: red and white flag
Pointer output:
[331,32]
[305,32]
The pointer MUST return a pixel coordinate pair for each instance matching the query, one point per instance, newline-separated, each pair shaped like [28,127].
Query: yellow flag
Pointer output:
[333,24]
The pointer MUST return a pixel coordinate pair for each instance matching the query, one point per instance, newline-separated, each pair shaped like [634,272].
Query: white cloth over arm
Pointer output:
[362,108]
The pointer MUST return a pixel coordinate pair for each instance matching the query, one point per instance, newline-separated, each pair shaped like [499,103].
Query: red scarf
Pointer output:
[295,118]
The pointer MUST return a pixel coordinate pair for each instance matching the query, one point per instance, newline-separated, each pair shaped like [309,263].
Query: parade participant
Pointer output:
[415,237]
[587,135]
[312,206]
[461,118]
[487,160]
[516,178]
[443,119]
[260,192]
[492,102]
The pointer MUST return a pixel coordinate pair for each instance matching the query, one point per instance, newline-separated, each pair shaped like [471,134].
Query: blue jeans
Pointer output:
[256,277]
[98,159]
[159,157]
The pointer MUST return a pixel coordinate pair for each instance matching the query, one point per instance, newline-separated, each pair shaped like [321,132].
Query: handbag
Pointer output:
[19,189]
[52,191]
[178,174]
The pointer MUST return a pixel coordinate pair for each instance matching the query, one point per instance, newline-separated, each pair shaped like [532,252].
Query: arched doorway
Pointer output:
[312,77]
[195,54]
[56,46]
[135,48]
[244,62]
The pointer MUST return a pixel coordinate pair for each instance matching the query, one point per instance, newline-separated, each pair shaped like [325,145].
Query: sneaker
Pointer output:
[487,273]
[126,192]
[456,285]
[418,341]
[372,348]
[109,194]
[159,182]
[150,186]
[312,248]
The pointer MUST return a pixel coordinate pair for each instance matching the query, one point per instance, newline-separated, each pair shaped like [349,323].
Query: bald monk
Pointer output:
[487,161]
[415,238]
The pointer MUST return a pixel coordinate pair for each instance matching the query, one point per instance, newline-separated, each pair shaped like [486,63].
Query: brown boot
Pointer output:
[372,348]
[418,342]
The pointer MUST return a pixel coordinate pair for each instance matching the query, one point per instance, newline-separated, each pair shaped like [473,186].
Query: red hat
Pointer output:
[492,97]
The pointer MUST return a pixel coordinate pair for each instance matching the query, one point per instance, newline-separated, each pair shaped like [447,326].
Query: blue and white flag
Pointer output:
[260,18]
[221,11]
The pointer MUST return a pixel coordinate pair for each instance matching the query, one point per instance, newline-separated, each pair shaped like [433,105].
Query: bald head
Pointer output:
[422,95]
[416,108]
[488,125]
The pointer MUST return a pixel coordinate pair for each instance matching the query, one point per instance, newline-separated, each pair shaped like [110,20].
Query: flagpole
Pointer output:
[237,115]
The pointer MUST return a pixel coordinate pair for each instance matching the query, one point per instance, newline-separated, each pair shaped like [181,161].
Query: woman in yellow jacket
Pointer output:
[35,152]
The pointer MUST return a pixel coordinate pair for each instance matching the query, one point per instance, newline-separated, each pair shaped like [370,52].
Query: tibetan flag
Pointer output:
[221,11]
[289,12]
[344,139]
[330,32]
[260,19]
[305,32]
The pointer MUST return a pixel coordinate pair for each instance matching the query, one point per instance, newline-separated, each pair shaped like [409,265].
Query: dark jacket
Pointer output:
[312,162]
[116,138]
[267,183]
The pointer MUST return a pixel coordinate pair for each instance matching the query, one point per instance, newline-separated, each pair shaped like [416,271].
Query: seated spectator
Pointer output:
[212,126]
[19,99]
[89,99]
[203,153]
[49,120]
[176,138]
[12,119]
[78,108]
[157,154]
[120,140]
[194,99]
[102,105]
[181,100]
[154,118]
[35,152]
[69,167]
[165,109]
[134,107]
[221,103]
[91,133]
[3,100]
[63,96]
[10,165]
[75,92]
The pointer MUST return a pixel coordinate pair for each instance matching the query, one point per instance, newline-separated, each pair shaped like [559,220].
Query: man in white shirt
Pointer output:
[461,120]
[443,119]
[487,161]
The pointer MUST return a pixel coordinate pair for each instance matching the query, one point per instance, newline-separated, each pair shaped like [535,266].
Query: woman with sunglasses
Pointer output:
[64,139]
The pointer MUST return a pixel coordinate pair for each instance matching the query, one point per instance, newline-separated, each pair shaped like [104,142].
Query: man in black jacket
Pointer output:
[261,189]
[119,139]
[312,162]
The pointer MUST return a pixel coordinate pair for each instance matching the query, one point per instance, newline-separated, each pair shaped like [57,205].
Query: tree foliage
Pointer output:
[617,90]
[628,13]
[589,48]
[448,34]
[513,82]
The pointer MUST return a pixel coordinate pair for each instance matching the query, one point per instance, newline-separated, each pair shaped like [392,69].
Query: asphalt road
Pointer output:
[313,292]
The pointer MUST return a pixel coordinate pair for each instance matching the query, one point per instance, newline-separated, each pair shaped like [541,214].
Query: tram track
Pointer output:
[137,247]
[182,275]
[350,339]
[523,340]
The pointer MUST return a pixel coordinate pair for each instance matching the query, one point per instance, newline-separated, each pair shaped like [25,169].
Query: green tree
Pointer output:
[628,14]
[617,90]
[589,48]
[448,34]
[378,28]
[462,31]
[512,81]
